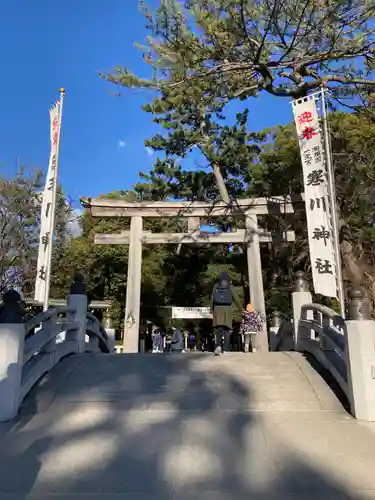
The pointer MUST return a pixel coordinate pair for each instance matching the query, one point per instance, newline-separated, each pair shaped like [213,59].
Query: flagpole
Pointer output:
[53,207]
[333,205]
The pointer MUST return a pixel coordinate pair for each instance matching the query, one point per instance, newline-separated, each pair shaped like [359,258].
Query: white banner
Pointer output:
[46,229]
[191,313]
[319,226]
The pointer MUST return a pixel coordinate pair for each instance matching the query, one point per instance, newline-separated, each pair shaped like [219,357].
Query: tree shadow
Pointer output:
[155,426]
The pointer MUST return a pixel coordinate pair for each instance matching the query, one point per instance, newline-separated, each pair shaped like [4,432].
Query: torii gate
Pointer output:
[252,236]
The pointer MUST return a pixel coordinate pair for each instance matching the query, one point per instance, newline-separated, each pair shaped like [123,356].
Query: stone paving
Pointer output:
[186,427]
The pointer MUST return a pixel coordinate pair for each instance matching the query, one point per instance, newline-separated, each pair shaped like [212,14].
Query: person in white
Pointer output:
[177,341]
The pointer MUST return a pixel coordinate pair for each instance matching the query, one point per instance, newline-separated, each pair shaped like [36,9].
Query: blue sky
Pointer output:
[45,45]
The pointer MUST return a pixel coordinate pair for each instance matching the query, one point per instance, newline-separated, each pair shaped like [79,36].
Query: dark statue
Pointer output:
[78,286]
[12,308]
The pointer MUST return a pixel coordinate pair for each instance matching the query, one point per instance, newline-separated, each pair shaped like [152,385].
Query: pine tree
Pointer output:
[227,150]
[205,53]
[238,48]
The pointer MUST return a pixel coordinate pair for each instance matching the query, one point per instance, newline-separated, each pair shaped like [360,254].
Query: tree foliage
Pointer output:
[205,53]
[227,148]
[353,147]
[238,48]
[18,235]
[20,199]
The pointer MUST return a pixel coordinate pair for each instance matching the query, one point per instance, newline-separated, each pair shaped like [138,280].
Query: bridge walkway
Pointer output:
[185,427]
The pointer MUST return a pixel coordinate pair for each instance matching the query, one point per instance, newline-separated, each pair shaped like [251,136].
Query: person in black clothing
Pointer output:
[223,296]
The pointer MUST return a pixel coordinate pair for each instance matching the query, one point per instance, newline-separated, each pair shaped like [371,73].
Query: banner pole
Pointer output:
[53,208]
[333,205]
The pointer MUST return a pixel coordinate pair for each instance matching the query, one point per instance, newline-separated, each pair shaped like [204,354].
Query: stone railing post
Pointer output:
[12,338]
[93,342]
[300,297]
[111,332]
[360,343]
[77,300]
[50,348]
[275,325]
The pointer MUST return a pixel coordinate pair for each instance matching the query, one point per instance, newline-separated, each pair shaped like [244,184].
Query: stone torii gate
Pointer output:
[195,212]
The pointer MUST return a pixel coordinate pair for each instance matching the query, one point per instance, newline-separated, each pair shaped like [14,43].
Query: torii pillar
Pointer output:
[133,287]
[254,267]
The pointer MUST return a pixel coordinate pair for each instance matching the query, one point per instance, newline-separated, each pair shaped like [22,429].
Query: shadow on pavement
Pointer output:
[153,426]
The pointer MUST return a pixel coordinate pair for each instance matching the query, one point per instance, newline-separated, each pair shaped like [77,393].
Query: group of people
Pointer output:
[172,341]
[223,299]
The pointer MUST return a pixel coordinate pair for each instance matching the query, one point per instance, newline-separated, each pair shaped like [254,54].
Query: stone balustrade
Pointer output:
[345,347]
[28,350]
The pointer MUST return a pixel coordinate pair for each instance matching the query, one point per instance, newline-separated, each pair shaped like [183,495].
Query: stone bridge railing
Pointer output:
[344,347]
[28,350]
[321,332]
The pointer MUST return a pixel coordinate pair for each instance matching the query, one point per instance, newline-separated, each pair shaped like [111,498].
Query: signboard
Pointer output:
[319,222]
[191,313]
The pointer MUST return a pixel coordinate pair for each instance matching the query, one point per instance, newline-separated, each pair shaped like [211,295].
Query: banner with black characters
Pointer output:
[319,223]
[47,209]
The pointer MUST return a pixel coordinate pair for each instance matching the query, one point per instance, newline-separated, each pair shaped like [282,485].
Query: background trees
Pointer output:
[20,197]
[18,228]
[271,168]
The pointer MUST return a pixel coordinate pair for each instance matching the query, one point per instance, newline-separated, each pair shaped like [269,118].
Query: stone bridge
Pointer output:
[82,422]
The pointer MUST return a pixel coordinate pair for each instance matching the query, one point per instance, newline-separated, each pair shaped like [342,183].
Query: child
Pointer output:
[191,341]
[252,322]
[157,341]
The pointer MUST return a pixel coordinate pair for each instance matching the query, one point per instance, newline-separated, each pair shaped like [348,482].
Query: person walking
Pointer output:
[177,342]
[191,341]
[252,322]
[168,341]
[222,300]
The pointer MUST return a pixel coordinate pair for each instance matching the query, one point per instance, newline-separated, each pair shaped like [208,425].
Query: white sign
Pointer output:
[46,229]
[319,224]
[191,313]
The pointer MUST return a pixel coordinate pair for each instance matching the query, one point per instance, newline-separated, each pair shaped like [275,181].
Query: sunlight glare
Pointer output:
[84,417]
